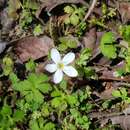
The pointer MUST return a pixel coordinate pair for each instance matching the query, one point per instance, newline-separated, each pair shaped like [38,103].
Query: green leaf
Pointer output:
[37,78]
[127,100]
[33,87]
[119,72]
[68,9]
[123,92]
[74,19]
[14,5]
[45,88]
[7,66]
[71,127]
[72,100]
[72,43]
[34,125]
[127,65]
[38,97]
[18,115]
[6,110]
[13,77]
[106,104]
[26,18]
[56,102]
[49,126]
[84,57]
[107,38]
[63,84]
[107,47]
[31,4]
[56,93]
[125,32]
[22,86]
[116,93]
[30,65]
[108,51]
[89,72]
[45,110]
[62,47]
[67,42]
[34,96]
[37,30]
[75,113]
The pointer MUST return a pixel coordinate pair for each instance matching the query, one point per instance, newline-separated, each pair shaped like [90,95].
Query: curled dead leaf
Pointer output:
[49,5]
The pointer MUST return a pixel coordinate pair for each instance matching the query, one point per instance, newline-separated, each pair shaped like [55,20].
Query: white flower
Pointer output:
[61,66]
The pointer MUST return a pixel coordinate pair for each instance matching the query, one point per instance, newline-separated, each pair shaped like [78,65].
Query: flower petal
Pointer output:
[51,68]
[58,76]
[55,55]
[68,58]
[70,71]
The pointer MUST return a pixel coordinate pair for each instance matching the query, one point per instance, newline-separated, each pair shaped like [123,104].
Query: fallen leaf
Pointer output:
[33,47]
[108,76]
[6,21]
[89,40]
[104,61]
[107,93]
[96,50]
[122,120]
[124,10]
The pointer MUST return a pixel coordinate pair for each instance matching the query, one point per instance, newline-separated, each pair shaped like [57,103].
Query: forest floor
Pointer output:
[64,65]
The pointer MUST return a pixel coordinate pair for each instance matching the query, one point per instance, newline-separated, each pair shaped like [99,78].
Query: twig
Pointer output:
[90,10]
[101,115]
[125,79]
[17,39]
[122,84]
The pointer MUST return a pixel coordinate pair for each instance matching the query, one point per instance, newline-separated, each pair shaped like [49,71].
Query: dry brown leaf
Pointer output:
[96,50]
[124,10]
[6,21]
[108,76]
[122,120]
[33,47]
[89,41]
[107,93]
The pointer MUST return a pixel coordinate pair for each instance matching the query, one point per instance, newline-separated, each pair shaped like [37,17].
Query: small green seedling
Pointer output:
[121,93]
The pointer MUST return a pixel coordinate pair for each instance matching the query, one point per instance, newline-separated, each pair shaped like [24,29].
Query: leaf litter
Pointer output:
[97,32]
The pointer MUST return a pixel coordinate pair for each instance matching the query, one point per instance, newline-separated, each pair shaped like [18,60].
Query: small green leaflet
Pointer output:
[106,45]
[67,42]
[125,32]
[33,87]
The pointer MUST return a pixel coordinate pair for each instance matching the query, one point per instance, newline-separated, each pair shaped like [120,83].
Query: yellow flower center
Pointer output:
[60,65]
